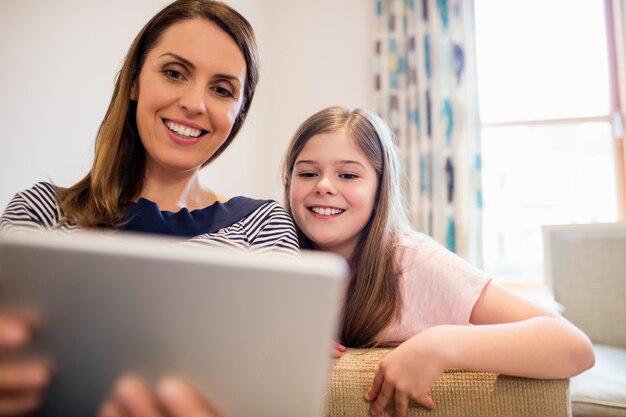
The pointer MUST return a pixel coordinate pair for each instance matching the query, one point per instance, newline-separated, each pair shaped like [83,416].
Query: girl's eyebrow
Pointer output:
[304,161]
[190,65]
[341,162]
[349,162]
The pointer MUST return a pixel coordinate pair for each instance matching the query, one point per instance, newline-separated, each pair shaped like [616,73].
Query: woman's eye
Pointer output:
[173,74]
[224,92]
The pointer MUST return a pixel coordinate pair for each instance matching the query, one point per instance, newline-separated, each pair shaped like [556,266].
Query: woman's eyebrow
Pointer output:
[190,65]
[184,61]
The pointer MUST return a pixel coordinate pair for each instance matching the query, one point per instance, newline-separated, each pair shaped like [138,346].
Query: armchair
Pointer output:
[586,266]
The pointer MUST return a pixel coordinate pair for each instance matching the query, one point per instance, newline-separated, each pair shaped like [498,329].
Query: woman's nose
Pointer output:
[193,100]
[325,186]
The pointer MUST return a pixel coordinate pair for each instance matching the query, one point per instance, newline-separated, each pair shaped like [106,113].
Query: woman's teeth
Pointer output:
[181,130]
[326,211]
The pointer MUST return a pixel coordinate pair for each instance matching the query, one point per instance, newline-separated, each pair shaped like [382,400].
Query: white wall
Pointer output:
[59,61]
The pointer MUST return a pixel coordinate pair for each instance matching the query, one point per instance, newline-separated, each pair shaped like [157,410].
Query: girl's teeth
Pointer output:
[326,211]
[183,130]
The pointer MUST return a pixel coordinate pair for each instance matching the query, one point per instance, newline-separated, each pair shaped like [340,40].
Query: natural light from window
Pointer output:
[547,147]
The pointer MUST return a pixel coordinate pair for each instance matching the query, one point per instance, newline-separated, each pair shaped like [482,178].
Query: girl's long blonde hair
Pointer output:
[101,198]
[373,298]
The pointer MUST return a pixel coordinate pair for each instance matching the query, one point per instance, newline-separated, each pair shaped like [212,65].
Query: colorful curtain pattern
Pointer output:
[425,86]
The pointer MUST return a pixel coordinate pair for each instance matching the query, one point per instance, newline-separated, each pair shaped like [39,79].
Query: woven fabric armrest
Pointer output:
[456,393]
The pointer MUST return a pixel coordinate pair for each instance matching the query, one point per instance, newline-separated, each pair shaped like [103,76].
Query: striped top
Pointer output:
[259,226]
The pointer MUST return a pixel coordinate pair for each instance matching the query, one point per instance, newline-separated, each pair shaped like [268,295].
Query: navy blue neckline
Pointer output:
[145,216]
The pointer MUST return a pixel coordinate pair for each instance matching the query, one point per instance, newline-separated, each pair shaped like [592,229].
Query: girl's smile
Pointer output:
[333,191]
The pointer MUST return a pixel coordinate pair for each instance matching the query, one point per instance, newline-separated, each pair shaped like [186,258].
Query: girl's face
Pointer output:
[332,191]
[189,93]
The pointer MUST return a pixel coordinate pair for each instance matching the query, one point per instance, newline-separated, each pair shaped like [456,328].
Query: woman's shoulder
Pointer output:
[43,189]
[252,208]
[36,206]
[262,225]
[42,194]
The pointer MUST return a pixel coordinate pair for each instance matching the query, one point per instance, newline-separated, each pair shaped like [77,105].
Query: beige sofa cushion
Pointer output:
[601,391]
[456,393]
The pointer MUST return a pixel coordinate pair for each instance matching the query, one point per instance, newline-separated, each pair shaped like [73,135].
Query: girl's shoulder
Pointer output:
[416,242]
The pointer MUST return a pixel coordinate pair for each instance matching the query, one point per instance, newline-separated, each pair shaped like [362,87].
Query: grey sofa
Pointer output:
[586,266]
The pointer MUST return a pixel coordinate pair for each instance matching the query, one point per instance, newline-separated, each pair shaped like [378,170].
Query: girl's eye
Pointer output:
[348,176]
[306,174]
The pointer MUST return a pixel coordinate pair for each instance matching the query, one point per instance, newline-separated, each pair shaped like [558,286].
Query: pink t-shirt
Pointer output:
[438,287]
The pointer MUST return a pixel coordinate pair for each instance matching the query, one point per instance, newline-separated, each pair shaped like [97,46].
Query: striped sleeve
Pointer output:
[267,230]
[270,228]
[34,208]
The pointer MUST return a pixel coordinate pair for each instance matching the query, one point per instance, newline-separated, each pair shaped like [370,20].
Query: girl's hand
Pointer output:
[409,371]
[337,350]
[22,381]
[171,397]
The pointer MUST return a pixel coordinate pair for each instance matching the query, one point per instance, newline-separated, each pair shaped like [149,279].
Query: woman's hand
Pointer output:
[337,350]
[171,397]
[22,381]
[409,371]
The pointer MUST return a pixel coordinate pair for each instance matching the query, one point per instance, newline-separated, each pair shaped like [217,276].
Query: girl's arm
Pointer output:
[515,337]
[510,336]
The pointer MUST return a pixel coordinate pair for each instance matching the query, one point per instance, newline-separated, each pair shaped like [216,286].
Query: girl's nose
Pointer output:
[193,100]
[325,186]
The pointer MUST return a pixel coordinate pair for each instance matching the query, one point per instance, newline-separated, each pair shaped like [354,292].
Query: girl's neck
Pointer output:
[345,251]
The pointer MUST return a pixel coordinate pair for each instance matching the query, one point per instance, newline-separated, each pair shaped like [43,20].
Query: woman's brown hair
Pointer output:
[100,199]
[373,298]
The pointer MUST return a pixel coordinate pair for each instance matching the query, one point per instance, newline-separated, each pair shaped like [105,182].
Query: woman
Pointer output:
[181,97]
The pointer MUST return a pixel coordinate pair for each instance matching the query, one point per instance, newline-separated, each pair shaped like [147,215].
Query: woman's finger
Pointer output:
[19,405]
[14,333]
[135,398]
[111,408]
[23,376]
[180,400]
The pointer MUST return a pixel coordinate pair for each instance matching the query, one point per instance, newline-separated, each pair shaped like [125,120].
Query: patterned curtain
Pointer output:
[425,86]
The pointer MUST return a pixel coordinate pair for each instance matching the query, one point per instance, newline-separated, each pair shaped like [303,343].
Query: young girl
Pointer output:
[342,186]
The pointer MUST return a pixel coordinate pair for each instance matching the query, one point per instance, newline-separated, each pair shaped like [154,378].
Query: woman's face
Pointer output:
[189,93]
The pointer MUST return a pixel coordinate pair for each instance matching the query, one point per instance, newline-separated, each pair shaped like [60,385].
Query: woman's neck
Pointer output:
[172,193]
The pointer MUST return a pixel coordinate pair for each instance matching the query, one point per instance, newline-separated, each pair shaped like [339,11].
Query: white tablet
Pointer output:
[252,333]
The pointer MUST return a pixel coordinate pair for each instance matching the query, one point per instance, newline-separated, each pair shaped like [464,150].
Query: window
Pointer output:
[549,118]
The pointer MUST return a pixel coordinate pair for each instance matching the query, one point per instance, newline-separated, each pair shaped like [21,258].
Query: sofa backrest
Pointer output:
[586,266]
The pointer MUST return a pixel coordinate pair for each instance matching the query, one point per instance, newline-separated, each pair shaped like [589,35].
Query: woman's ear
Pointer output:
[133,92]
